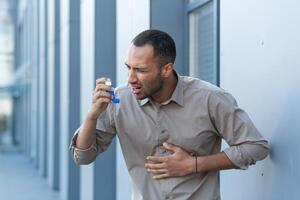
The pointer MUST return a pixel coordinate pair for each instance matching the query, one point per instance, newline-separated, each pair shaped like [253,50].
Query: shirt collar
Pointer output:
[177,95]
[143,101]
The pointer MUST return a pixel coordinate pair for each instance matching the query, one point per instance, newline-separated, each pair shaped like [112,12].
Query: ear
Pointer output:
[167,70]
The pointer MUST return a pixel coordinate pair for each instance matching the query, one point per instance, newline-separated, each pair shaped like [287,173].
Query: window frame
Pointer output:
[189,8]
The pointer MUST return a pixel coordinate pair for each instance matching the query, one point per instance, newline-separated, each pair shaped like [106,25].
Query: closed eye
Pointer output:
[140,70]
[137,69]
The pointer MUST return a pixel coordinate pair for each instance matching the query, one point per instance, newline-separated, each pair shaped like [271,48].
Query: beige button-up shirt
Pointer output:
[196,118]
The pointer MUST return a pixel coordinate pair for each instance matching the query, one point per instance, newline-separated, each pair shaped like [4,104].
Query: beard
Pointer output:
[150,88]
[157,85]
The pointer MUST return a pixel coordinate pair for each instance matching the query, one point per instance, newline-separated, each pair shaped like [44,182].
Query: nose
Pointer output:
[132,76]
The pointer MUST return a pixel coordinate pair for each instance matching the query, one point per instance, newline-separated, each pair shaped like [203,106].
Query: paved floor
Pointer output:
[19,179]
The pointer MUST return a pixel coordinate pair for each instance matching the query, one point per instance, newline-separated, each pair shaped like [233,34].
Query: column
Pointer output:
[69,95]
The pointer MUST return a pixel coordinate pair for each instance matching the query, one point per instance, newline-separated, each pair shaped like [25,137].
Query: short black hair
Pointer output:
[162,43]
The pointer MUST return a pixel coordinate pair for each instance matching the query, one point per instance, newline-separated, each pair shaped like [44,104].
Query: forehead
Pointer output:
[139,55]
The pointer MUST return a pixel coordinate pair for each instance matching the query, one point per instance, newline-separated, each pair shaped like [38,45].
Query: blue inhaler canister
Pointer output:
[114,99]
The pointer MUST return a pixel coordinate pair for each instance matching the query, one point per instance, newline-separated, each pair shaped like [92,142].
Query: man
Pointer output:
[170,127]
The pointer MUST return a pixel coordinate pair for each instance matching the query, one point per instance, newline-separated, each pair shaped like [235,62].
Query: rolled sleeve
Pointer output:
[244,155]
[83,156]
[105,132]
[246,144]
[87,156]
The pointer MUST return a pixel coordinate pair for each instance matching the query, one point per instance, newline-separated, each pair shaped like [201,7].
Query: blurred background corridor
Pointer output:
[52,51]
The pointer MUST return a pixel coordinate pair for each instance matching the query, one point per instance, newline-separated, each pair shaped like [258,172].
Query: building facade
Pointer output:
[249,48]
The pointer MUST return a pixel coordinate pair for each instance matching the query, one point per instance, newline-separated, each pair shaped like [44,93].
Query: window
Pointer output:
[6,73]
[203,40]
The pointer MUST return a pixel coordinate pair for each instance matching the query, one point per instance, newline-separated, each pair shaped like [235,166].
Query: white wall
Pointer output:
[51,93]
[69,95]
[87,67]
[64,98]
[132,17]
[260,66]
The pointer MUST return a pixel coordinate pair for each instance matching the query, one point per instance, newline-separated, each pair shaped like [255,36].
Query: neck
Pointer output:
[168,87]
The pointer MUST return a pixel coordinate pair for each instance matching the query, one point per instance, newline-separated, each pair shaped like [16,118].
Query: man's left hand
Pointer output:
[180,163]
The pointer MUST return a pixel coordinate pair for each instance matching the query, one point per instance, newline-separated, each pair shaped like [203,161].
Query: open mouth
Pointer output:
[135,89]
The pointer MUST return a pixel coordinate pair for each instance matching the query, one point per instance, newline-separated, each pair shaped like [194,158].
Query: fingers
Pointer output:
[155,165]
[171,147]
[100,93]
[103,101]
[158,170]
[157,159]
[169,166]
[102,96]
[103,87]
[100,84]
[161,176]
[102,80]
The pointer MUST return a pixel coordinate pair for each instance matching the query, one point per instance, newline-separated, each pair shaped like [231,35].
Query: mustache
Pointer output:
[135,85]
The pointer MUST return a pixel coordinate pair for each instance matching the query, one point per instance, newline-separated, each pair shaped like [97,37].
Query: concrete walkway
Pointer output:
[19,179]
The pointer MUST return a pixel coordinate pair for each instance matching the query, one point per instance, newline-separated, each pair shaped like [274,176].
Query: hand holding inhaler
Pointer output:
[102,96]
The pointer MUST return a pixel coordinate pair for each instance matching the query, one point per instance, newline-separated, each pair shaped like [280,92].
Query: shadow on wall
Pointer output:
[285,151]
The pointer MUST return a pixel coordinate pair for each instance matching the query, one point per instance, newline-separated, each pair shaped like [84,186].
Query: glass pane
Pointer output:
[6,73]
[202,43]
[5,120]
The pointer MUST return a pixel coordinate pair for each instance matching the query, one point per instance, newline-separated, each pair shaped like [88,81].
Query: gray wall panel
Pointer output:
[169,16]
[105,65]
[53,93]
[42,88]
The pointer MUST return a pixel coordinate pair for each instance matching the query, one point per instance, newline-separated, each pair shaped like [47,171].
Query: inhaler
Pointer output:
[114,99]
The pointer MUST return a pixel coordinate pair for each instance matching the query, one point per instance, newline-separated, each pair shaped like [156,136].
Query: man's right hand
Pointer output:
[101,98]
